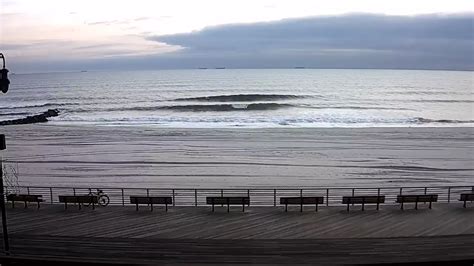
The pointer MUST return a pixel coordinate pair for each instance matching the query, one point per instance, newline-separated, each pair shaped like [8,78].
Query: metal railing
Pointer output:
[258,196]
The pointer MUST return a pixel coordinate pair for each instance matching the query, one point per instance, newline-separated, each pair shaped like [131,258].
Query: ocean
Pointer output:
[252,98]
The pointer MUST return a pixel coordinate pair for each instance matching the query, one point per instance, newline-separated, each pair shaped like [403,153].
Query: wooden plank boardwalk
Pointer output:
[260,235]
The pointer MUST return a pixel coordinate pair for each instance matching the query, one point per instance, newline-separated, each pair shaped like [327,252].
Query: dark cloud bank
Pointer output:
[346,41]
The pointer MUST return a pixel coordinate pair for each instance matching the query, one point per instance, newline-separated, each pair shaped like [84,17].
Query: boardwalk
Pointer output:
[260,235]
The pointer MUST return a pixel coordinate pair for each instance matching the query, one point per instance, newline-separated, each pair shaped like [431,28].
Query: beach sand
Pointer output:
[52,155]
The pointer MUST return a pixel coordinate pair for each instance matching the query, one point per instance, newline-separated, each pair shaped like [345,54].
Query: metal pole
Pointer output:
[449,194]
[123,198]
[4,213]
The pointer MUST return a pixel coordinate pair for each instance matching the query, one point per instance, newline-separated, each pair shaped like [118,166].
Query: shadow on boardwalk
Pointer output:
[261,235]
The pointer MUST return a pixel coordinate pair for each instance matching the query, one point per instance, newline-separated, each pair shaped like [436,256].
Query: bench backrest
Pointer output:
[302,200]
[78,199]
[363,199]
[467,197]
[31,198]
[418,198]
[227,200]
[150,200]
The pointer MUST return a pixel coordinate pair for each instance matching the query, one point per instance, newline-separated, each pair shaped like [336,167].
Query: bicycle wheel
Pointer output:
[87,204]
[104,200]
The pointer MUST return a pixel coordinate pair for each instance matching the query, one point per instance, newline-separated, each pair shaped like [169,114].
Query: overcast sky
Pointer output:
[51,35]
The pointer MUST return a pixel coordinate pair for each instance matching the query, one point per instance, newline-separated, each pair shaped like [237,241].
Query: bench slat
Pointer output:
[363,199]
[417,198]
[27,198]
[302,200]
[228,200]
[467,197]
[78,199]
[150,200]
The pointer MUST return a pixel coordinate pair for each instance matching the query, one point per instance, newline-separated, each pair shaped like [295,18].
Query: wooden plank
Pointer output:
[256,251]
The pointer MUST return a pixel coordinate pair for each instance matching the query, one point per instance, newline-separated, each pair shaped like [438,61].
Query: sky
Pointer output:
[58,35]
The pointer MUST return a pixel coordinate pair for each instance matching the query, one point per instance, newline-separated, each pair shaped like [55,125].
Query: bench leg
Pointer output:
[401,206]
[13,204]
[430,205]
[316,207]
[363,205]
[301,207]
[228,207]
[347,206]
[38,205]
[80,206]
[136,207]
[416,205]
[93,205]
[286,207]
[65,205]
[243,207]
[151,207]
[166,207]
[378,205]
[26,204]
[464,205]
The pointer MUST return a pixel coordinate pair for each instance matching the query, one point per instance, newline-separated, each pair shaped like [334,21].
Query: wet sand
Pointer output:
[50,155]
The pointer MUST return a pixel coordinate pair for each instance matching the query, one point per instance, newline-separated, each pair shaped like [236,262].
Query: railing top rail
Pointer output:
[248,188]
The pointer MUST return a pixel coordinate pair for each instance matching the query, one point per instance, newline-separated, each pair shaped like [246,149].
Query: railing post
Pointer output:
[353,193]
[274,198]
[147,192]
[248,196]
[51,194]
[222,195]
[28,189]
[74,191]
[123,198]
[327,197]
[449,194]
[426,190]
[378,192]
[301,193]
[195,197]
[173,199]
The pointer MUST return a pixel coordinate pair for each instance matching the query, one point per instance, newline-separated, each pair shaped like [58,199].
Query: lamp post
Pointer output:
[4,83]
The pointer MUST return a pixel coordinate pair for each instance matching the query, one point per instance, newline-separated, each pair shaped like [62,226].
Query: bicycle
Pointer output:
[102,198]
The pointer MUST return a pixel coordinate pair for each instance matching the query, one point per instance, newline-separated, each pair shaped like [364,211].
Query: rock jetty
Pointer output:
[41,118]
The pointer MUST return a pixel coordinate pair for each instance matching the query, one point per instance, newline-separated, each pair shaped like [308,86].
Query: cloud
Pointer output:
[354,40]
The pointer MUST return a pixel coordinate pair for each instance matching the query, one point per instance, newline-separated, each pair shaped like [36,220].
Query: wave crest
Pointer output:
[422,120]
[226,107]
[242,98]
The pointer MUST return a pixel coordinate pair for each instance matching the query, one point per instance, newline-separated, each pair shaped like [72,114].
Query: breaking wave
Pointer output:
[421,120]
[225,107]
[243,98]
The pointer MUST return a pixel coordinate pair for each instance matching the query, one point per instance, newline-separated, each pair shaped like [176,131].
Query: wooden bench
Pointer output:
[466,197]
[416,198]
[78,199]
[151,200]
[301,201]
[229,201]
[25,198]
[363,200]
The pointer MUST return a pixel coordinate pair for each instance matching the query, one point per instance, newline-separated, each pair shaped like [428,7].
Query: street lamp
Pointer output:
[4,83]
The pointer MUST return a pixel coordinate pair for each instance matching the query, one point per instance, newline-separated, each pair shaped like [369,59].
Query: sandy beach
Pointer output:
[51,155]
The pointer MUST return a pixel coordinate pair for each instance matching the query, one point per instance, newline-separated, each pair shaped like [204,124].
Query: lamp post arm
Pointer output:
[3,58]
